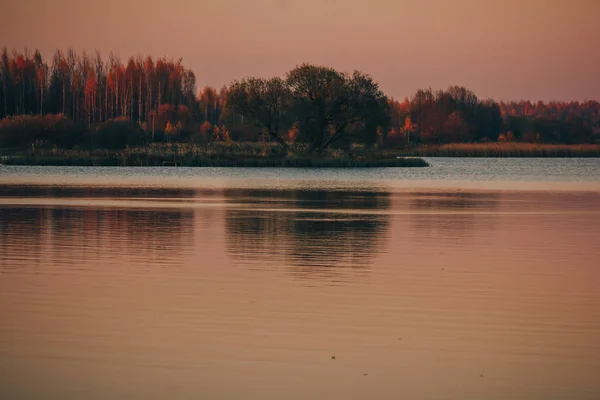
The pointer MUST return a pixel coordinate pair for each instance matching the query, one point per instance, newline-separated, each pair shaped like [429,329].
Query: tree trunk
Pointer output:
[64,98]
[106,102]
[140,101]
[159,95]
[279,139]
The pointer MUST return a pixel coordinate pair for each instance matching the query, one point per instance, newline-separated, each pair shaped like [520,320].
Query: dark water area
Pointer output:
[176,283]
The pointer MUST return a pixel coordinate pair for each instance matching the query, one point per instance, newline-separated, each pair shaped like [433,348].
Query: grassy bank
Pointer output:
[213,155]
[250,154]
[504,150]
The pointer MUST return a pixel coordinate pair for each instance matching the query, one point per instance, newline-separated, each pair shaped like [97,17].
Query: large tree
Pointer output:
[320,98]
[265,102]
[331,106]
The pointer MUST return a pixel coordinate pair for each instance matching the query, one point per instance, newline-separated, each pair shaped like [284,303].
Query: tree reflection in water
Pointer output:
[35,236]
[315,234]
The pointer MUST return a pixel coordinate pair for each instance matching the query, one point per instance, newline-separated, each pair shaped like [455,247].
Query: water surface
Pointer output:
[472,279]
[451,173]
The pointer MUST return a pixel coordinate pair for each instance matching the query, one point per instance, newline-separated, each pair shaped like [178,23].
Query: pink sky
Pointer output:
[505,49]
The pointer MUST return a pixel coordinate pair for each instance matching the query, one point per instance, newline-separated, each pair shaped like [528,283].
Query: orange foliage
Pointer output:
[455,129]
[225,137]
[293,133]
[506,137]
[184,115]
[206,128]
[395,138]
[166,113]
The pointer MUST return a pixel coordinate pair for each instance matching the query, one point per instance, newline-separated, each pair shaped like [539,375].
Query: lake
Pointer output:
[470,279]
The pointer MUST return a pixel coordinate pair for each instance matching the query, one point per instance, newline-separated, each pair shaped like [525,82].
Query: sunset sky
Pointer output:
[505,49]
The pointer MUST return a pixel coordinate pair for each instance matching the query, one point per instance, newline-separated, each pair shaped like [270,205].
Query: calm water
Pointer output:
[472,279]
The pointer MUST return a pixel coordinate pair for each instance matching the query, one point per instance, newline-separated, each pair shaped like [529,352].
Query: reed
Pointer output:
[505,150]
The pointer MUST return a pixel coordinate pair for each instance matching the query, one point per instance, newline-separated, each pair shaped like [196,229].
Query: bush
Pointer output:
[119,133]
[396,138]
[506,137]
[49,129]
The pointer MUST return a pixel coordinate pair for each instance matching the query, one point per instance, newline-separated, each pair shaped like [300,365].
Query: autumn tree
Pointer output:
[455,128]
[313,104]
[208,103]
[6,84]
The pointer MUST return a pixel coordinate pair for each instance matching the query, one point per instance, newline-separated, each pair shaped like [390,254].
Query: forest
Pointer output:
[84,101]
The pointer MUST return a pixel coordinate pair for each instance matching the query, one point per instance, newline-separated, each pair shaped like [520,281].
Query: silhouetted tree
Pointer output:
[330,106]
[265,102]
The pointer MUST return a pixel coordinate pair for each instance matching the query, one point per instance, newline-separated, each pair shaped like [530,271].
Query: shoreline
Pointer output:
[253,155]
[247,155]
[197,162]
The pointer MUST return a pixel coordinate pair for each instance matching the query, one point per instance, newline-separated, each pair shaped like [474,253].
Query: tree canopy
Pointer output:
[311,104]
[264,101]
[325,105]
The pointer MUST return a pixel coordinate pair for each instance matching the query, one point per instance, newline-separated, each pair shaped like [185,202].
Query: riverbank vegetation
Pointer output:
[83,104]
[503,150]
[214,155]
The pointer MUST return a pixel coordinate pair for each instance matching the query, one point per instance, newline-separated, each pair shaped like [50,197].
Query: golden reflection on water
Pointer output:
[249,293]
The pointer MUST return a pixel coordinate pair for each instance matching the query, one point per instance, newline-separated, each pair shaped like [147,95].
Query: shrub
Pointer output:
[206,129]
[531,137]
[119,133]
[395,139]
[293,133]
[506,137]
[49,129]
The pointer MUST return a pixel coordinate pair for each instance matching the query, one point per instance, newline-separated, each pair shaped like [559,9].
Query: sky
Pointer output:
[501,49]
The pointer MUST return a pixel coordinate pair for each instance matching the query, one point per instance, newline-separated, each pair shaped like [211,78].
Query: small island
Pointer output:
[217,154]
[83,110]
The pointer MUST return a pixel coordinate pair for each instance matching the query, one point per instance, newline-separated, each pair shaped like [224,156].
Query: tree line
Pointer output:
[316,105]
[456,115]
[88,89]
